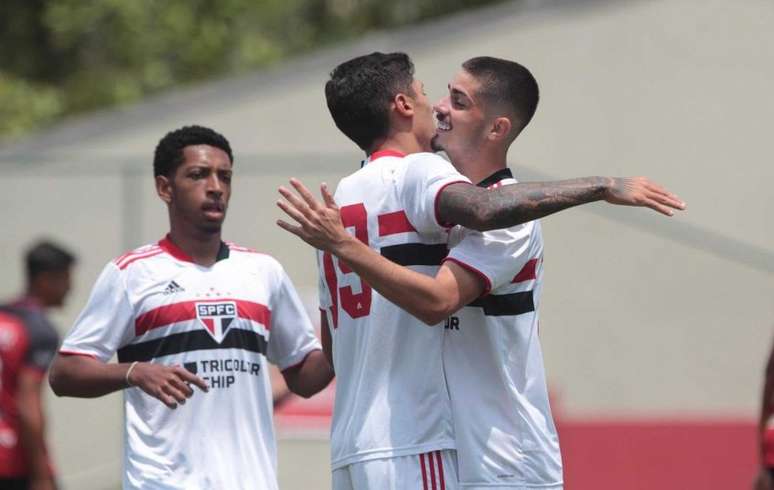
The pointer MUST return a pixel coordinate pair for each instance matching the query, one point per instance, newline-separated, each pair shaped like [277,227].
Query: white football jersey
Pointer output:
[391,397]
[222,323]
[504,430]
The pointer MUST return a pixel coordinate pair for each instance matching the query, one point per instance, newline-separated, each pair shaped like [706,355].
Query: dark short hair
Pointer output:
[360,91]
[46,256]
[169,151]
[506,83]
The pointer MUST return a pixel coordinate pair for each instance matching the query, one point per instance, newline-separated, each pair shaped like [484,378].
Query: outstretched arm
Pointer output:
[488,209]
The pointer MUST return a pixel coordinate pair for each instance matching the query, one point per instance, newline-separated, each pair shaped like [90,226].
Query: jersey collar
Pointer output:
[27,302]
[176,252]
[503,173]
[382,153]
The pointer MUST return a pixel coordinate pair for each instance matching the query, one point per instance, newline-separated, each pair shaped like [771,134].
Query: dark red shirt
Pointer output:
[28,342]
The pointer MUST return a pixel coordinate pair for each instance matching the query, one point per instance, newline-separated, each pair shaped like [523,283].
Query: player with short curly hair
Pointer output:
[192,311]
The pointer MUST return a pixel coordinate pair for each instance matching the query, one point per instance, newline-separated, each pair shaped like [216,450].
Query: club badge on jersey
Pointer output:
[217,317]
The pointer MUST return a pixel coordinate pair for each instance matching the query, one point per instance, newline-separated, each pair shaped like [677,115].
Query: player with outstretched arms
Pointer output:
[393,421]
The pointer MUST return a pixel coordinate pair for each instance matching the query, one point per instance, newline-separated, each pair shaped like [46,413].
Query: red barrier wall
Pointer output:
[663,455]
[608,454]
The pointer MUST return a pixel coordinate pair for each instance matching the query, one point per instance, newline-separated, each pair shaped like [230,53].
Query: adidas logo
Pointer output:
[172,288]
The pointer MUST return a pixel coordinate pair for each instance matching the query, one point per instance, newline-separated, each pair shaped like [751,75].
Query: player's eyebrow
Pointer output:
[457,92]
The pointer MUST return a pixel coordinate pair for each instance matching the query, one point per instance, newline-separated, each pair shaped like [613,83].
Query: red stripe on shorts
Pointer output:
[440,470]
[432,469]
[424,473]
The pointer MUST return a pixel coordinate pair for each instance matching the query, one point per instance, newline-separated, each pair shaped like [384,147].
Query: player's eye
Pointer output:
[198,174]
[225,177]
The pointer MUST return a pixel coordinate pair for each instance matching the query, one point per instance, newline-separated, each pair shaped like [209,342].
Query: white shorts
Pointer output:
[436,470]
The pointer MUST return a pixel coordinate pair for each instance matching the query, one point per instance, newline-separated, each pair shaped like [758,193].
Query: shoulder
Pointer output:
[39,328]
[138,254]
[425,159]
[424,156]
[251,257]
[429,166]
[10,319]
[355,179]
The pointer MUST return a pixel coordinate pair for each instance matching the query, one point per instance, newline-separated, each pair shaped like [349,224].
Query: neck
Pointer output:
[403,142]
[202,247]
[32,296]
[480,163]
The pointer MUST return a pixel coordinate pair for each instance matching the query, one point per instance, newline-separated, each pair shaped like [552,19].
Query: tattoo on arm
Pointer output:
[510,205]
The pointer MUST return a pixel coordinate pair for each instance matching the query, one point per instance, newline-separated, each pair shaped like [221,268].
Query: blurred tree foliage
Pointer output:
[59,57]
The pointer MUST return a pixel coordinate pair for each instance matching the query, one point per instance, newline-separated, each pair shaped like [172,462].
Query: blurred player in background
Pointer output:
[193,310]
[392,423]
[765,480]
[28,342]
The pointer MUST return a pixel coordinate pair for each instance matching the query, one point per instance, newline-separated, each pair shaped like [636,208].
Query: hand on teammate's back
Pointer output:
[170,384]
[641,191]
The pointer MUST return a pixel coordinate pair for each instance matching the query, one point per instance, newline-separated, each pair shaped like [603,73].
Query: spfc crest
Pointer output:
[217,317]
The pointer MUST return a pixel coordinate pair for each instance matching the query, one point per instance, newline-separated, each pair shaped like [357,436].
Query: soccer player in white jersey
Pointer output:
[193,310]
[392,417]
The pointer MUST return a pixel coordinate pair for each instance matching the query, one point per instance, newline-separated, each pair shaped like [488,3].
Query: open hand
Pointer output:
[170,384]
[641,191]
[319,224]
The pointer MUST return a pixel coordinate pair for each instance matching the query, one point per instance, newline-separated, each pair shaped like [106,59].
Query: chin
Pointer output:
[435,144]
[211,228]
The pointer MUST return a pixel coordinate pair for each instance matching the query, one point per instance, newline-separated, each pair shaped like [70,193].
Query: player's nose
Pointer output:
[441,108]
[214,183]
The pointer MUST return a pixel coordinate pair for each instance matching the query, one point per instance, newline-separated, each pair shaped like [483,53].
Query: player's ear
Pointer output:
[501,129]
[164,188]
[404,105]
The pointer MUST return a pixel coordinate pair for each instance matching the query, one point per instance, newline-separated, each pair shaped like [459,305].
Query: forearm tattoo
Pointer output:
[510,205]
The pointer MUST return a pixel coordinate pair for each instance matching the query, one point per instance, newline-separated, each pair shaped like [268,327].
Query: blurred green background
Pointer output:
[61,57]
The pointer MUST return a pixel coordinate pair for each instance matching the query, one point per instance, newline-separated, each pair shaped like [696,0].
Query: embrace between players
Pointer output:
[409,242]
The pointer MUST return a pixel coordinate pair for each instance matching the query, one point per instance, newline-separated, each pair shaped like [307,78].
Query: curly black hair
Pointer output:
[169,151]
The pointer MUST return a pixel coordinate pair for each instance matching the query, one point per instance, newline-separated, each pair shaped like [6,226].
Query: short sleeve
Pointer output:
[496,256]
[43,341]
[103,325]
[425,176]
[292,335]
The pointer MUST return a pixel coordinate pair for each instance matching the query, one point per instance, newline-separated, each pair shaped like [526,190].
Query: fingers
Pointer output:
[293,212]
[663,195]
[177,395]
[311,201]
[657,206]
[327,196]
[294,229]
[183,387]
[670,201]
[189,377]
[294,200]
[166,399]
